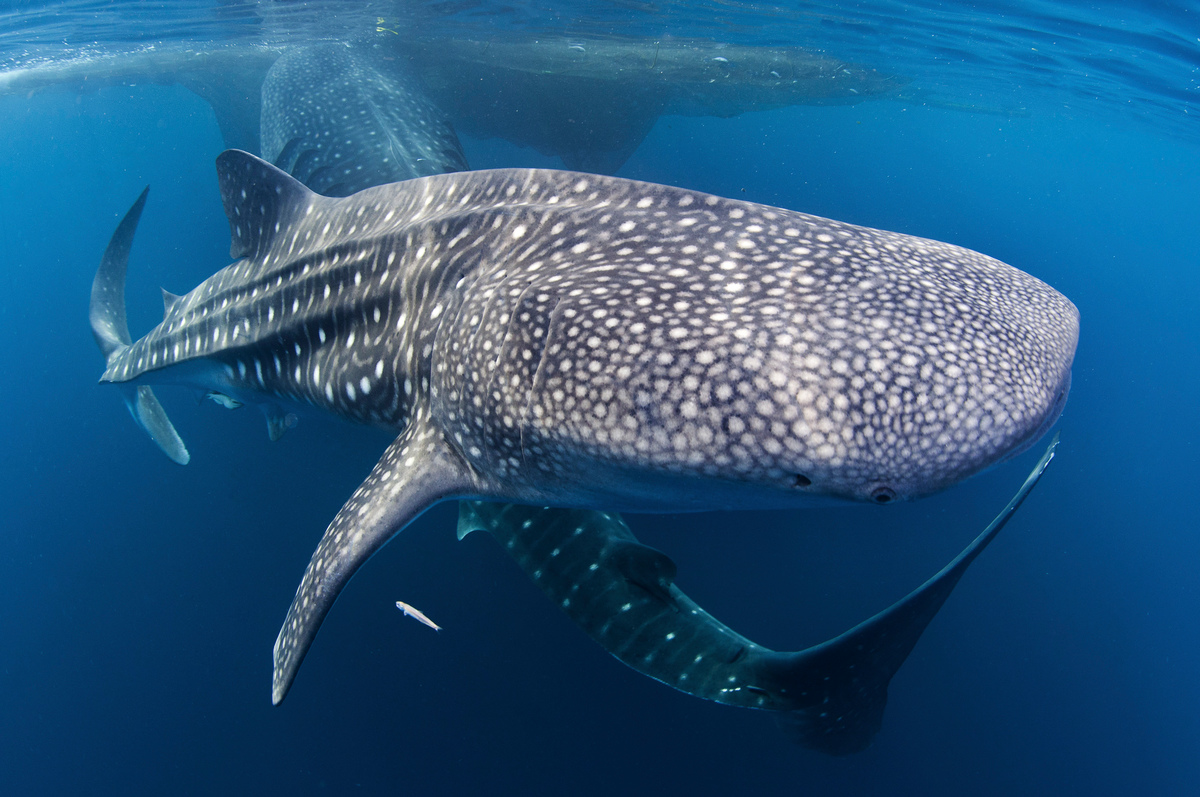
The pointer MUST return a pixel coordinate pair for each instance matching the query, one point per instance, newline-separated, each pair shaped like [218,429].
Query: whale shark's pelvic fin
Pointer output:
[278,421]
[111,330]
[829,697]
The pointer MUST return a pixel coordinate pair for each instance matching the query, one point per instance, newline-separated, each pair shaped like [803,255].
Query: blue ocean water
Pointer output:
[139,600]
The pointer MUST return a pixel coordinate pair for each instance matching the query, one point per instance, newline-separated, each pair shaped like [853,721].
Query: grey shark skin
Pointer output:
[829,697]
[563,339]
[340,119]
[106,313]
[589,101]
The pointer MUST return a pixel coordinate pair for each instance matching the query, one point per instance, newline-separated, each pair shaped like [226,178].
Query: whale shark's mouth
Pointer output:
[1052,415]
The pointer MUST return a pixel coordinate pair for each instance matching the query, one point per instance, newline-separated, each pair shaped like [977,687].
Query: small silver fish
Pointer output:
[417,615]
[225,401]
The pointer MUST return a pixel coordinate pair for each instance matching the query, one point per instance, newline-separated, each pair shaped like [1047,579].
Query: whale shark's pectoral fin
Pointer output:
[106,313]
[645,567]
[851,672]
[418,470]
[829,697]
[622,594]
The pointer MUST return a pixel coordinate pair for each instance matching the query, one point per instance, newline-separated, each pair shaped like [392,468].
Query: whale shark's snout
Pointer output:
[881,432]
[1055,408]
[996,414]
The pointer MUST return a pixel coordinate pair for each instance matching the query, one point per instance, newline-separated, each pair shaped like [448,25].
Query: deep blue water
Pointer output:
[139,600]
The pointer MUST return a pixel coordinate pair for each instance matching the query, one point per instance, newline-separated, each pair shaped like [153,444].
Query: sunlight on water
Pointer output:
[1008,58]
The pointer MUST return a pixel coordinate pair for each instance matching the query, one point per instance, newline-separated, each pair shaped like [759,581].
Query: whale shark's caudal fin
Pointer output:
[111,330]
[829,697]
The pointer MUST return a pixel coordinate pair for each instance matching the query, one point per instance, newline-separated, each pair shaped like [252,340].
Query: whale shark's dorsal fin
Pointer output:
[260,200]
[106,312]
[169,301]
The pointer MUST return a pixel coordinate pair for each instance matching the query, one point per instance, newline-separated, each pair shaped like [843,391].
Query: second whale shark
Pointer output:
[560,339]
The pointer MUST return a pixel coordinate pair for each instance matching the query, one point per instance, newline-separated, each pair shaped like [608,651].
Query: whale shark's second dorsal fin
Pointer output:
[169,301]
[260,200]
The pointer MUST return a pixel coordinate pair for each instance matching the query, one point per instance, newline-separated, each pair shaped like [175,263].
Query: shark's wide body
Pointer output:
[564,339]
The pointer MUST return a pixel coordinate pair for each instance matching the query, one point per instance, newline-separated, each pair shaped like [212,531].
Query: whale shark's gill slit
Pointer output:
[286,159]
[302,167]
[538,377]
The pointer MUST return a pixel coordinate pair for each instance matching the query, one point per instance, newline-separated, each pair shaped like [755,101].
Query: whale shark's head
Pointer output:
[760,358]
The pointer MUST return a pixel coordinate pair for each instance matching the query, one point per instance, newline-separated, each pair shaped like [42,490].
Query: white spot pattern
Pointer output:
[758,347]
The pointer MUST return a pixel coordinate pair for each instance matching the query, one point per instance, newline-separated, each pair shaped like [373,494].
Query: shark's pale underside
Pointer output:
[561,339]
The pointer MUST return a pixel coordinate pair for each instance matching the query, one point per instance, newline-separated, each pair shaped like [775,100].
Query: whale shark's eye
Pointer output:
[883,495]
[801,480]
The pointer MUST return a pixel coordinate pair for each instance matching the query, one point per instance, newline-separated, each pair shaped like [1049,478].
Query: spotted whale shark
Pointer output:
[587,101]
[621,593]
[558,339]
[340,119]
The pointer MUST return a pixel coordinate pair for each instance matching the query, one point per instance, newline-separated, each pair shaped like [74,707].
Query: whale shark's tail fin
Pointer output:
[829,697]
[854,669]
[111,330]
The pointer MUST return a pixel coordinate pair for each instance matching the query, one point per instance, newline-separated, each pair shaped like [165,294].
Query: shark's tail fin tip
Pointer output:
[144,407]
[837,727]
[106,313]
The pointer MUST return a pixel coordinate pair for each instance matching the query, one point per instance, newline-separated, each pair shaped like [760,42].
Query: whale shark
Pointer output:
[557,339]
[339,121]
[621,593]
[589,102]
